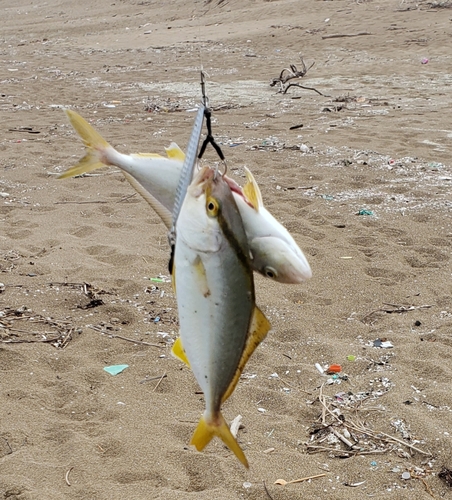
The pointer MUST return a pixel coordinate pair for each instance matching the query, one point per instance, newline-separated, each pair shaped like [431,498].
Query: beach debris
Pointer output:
[382,343]
[290,73]
[320,368]
[406,475]
[275,253]
[115,369]
[351,357]
[159,382]
[334,369]
[446,475]
[364,211]
[247,485]
[100,330]
[345,35]
[149,379]
[392,309]
[283,482]
[424,60]
[341,433]
[235,425]
[66,476]
[354,485]
[45,328]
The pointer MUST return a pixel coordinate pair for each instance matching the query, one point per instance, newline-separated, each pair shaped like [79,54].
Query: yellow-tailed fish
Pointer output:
[275,254]
[215,295]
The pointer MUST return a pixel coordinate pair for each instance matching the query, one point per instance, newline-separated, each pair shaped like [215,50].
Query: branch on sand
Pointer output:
[290,73]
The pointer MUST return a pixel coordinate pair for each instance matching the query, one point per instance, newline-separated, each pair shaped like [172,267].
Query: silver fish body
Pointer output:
[215,295]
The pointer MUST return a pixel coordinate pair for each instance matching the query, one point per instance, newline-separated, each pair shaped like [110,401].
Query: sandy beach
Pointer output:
[356,166]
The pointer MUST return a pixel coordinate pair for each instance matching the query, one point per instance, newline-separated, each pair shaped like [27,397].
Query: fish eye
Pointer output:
[212,206]
[270,272]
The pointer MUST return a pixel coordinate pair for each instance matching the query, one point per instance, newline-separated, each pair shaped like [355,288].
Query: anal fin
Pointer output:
[259,327]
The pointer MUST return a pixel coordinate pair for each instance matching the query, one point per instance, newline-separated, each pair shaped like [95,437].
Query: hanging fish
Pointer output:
[220,325]
[275,254]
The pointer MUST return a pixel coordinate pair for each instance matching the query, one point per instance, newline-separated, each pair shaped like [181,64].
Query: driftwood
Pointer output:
[290,73]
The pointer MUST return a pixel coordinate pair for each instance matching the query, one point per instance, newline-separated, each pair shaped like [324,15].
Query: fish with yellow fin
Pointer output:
[220,324]
[275,253]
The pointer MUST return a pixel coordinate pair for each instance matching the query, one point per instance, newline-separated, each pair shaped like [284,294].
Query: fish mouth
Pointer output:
[201,181]
[207,175]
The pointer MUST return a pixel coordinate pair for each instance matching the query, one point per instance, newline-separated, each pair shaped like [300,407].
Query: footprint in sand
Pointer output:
[83,231]
[427,257]
[386,276]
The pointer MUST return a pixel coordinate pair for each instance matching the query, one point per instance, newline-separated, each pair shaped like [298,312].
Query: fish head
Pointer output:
[277,260]
[208,210]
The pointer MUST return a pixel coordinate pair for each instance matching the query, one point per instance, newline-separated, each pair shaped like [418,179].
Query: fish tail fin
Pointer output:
[95,144]
[206,430]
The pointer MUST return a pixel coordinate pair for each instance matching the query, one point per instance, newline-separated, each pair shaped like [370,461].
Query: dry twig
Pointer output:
[114,335]
[291,73]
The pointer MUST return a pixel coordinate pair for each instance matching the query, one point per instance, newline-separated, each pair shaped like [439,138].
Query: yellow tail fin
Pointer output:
[94,144]
[207,430]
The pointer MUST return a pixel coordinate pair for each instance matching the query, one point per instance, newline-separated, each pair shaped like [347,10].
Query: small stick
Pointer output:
[282,482]
[77,202]
[126,198]
[427,487]
[150,379]
[66,477]
[342,438]
[406,444]
[158,383]
[305,478]
[303,87]
[266,490]
[346,35]
[113,335]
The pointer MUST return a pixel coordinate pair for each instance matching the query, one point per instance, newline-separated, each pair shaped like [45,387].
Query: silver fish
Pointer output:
[274,251]
[220,325]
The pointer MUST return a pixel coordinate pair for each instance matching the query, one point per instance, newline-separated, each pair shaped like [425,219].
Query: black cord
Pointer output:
[209,138]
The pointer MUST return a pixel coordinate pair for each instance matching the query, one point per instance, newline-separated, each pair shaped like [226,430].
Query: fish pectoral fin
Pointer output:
[259,327]
[174,152]
[201,277]
[252,192]
[206,430]
[178,351]
[95,145]
[159,209]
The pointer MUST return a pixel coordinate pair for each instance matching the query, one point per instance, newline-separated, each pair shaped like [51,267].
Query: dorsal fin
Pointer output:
[174,152]
[252,191]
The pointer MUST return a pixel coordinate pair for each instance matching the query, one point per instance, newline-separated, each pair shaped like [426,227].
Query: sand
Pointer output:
[378,140]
